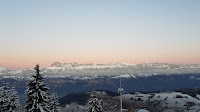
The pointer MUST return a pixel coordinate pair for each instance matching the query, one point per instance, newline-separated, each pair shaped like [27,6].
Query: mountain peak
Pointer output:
[60,64]
[2,68]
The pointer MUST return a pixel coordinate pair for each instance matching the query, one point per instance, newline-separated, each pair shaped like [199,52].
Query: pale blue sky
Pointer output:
[99,31]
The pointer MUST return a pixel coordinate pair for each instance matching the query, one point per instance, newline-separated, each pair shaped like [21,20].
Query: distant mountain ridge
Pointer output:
[111,70]
[120,64]
[90,65]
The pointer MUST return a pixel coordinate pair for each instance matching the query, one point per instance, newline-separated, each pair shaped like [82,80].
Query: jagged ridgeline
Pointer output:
[111,70]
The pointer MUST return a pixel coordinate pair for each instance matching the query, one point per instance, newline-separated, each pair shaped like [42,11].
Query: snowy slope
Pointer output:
[166,100]
[174,99]
[142,110]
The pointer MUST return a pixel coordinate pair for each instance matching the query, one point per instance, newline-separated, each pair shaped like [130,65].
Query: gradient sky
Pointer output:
[98,31]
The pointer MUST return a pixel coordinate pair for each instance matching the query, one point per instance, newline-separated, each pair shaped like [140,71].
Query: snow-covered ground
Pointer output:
[74,108]
[143,110]
[168,100]
[175,99]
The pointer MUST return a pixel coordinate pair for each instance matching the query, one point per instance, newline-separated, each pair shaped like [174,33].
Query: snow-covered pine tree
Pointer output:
[54,102]
[13,101]
[4,97]
[37,94]
[8,99]
[94,103]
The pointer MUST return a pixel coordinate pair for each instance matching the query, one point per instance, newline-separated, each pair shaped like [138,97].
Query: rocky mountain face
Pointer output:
[112,70]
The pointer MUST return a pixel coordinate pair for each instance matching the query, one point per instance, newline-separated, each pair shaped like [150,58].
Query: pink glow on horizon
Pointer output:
[45,65]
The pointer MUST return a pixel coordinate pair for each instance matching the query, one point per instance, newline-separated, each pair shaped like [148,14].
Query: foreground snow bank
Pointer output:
[142,110]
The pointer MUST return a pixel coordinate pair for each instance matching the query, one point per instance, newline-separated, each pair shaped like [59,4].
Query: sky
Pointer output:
[98,31]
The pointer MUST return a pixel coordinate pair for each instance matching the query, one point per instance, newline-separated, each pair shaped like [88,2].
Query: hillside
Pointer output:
[153,102]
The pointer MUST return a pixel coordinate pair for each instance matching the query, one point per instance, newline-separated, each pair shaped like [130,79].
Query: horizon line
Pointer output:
[17,68]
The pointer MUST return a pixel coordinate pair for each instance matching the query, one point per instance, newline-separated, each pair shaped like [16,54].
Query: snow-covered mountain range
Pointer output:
[113,70]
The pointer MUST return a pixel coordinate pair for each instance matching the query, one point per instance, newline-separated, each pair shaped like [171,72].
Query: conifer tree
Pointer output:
[94,103]
[54,102]
[9,101]
[37,94]
[4,97]
[13,101]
